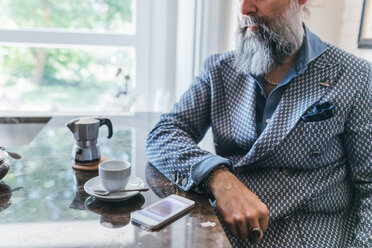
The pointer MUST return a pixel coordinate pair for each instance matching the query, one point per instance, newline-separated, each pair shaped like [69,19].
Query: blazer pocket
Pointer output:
[327,127]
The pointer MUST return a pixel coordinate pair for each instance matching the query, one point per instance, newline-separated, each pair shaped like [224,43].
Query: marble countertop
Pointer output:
[43,202]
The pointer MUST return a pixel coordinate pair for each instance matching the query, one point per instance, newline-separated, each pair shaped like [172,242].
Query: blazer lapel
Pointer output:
[303,92]
[240,91]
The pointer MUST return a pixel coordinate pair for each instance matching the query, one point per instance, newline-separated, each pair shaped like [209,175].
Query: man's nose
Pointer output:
[247,7]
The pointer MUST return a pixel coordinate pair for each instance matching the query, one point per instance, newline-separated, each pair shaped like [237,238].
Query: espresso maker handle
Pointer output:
[107,122]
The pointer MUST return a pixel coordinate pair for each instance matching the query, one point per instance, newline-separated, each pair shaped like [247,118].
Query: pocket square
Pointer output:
[320,112]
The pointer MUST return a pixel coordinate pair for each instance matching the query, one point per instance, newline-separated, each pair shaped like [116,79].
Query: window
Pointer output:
[68,55]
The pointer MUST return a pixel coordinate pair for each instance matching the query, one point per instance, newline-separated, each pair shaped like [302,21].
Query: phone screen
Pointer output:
[163,209]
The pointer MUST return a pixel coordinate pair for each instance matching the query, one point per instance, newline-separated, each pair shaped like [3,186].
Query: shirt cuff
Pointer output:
[203,169]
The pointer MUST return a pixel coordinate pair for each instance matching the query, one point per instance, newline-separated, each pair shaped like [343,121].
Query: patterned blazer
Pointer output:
[315,177]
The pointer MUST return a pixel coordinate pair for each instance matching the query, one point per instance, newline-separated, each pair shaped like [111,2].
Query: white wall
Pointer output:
[325,19]
[350,29]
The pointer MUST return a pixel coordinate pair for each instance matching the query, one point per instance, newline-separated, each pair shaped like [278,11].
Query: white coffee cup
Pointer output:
[114,174]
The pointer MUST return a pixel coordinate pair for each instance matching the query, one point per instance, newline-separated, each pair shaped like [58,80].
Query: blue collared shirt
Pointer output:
[311,48]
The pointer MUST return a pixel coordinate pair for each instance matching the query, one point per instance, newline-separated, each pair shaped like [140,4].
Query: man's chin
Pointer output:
[248,35]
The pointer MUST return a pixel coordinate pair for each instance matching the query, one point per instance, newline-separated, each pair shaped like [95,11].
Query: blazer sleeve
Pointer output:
[172,144]
[358,144]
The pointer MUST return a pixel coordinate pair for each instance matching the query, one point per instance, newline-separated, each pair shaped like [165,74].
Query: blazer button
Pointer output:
[184,181]
[286,218]
[285,172]
[179,180]
[173,177]
[316,153]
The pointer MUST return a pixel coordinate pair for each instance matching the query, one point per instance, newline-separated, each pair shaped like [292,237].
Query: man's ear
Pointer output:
[301,2]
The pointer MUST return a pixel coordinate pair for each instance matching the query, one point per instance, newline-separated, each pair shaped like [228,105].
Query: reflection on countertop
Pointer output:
[5,196]
[23,120]
[20,130]
[114,214]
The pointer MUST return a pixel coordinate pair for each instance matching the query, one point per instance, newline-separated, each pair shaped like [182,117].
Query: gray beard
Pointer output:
[261,50]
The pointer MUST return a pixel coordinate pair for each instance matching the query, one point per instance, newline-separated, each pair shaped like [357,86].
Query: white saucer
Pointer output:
[95,183]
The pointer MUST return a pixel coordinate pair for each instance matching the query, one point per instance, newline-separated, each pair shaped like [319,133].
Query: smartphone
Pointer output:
[163,211]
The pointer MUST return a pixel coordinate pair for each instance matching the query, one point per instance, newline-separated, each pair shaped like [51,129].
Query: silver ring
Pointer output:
[256,232]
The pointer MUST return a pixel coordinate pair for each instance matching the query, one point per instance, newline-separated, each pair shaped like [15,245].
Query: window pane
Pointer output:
[66,79]
[95,15]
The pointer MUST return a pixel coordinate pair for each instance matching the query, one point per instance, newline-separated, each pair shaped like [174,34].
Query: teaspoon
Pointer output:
[104,192]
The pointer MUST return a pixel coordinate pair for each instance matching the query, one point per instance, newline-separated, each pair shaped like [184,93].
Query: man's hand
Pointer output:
[240,208]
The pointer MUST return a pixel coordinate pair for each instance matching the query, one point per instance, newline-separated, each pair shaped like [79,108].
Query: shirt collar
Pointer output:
[311,49]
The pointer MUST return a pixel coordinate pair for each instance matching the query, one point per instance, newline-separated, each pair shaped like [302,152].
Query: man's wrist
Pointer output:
[206,183]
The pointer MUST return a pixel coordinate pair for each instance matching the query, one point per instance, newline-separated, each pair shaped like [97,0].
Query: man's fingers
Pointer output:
[255,235]
[229,221]
[233,230]
[242,226]
[231,226]
[255,232]
[264,223]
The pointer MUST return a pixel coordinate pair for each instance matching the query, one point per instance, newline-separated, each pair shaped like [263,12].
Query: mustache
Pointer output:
[249,21]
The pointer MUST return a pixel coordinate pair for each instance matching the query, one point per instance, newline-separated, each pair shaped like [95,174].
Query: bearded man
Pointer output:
[291,120]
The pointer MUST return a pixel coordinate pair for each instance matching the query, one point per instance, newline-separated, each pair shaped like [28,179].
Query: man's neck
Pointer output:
[278,73]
